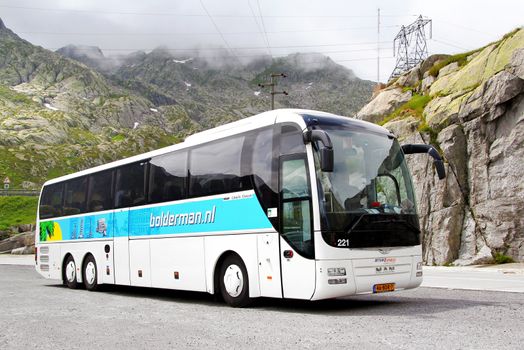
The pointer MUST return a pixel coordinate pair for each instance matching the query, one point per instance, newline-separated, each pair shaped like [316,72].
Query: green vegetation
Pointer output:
[414,107]
[13,96]
[501,258]
[460,58]
[17,210]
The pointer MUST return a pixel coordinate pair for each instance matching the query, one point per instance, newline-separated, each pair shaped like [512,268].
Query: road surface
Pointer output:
[39,313]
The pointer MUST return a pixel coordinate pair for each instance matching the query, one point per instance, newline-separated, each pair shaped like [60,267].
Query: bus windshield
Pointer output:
[368,199]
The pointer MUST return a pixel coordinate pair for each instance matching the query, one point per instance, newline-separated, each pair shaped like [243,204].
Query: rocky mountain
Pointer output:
[72,109]
[471,107]
[58,116]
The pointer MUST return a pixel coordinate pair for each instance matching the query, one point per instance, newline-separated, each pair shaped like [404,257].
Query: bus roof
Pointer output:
[301,116]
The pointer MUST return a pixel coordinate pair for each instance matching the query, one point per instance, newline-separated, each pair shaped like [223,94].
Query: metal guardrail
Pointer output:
[14,192]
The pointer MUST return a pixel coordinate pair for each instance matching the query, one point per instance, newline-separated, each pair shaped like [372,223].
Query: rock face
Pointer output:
[475,116]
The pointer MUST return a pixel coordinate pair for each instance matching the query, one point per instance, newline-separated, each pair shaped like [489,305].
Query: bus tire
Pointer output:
[90,273]
[69,272]
[234,282]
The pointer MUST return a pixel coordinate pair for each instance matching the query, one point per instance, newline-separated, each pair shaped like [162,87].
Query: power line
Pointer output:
[264,37]
[217,29]
[204,56]
[364,59]
[142,13]
[450,44]
[197,33]
[241,48]
[263,26]
[463,27]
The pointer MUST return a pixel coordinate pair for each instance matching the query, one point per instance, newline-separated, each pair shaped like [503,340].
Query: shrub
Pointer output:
[501,258]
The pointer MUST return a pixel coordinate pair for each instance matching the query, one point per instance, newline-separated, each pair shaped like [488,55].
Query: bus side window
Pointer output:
[75,196]
[167,177]
[215,168]
[100,196]
[263,167]
[51,203]
[130,184]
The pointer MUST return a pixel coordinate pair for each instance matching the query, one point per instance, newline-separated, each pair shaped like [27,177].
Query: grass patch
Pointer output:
[460,58]
[13,96]
[502,259]
[118,138]
[17,210]
[414,107]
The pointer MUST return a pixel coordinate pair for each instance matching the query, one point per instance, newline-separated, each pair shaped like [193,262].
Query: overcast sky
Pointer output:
[345,30]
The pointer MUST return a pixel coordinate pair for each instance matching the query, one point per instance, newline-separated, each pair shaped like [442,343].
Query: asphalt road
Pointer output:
[39,313]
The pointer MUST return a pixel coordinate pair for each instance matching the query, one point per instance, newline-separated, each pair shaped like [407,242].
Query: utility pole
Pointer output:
[273,84]
[410,46]
[378,46]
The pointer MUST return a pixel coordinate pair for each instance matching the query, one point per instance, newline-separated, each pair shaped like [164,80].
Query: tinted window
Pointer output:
[167,177]
[100,186]
[130,185]
[51,201]
[75,196]
[291,140]
[263,168]
[215,168]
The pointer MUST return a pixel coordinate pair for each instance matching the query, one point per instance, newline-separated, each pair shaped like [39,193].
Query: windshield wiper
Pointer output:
[355,224]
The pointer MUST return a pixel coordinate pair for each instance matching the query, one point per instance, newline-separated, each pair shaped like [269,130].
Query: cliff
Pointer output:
[471,107]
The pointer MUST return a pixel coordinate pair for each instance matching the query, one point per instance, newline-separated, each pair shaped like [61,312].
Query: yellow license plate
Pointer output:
[385,287]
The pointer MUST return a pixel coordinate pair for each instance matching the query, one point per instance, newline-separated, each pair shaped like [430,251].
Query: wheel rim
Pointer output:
[90,272]
[233,280]
[70,271]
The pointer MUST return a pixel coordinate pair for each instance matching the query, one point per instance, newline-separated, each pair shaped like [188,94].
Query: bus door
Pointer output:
[121,246]
[296,228]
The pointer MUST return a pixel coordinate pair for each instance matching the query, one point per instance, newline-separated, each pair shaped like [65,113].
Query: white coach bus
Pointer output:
[287,204]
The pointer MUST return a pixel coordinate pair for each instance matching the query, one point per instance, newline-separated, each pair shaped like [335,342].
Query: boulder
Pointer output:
[429,62]
[17,241]
[384,104]
[450,68]
[410,78]
[426,83]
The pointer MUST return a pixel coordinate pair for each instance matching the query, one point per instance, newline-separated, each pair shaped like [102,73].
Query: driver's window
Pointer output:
[294,179]
[296,207]
[387,190]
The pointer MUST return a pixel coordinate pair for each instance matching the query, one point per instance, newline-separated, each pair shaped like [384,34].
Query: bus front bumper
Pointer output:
[339,278]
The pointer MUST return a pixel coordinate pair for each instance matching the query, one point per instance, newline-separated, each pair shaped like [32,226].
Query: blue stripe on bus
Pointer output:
[237,212]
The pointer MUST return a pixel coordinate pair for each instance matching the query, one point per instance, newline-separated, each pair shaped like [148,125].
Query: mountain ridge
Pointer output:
[59,115]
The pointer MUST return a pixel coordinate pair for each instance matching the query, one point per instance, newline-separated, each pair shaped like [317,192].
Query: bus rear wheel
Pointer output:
[234,283]
[69,273]
[90,273]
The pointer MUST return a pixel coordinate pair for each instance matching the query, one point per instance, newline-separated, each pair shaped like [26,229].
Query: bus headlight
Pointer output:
[336,271]
[419,266]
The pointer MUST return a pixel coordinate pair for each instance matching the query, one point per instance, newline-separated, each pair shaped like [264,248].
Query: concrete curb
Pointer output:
[13,259]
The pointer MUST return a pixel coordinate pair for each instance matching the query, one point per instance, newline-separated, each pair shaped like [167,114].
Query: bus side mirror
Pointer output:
[326,151]
[430,150]
[326,159]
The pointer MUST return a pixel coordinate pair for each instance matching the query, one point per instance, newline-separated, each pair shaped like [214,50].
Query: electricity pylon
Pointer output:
[410,46]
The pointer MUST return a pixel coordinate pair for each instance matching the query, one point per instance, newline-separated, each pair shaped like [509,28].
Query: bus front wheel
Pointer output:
[234,283]
[90,273]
